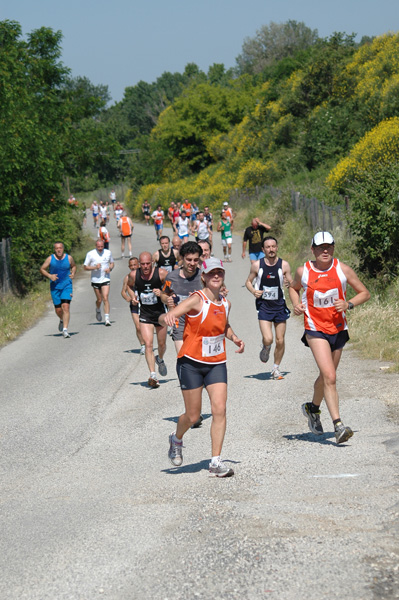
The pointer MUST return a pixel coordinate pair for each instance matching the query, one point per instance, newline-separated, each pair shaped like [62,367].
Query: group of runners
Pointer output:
[181,287]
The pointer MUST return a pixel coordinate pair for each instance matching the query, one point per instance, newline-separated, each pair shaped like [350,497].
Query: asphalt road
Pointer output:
[91,508]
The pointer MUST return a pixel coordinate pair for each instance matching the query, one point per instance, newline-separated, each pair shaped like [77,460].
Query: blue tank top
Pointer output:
[270,280]
[62,268]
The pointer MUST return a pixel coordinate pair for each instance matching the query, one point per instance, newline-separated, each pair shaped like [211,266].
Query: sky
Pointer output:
[121,42]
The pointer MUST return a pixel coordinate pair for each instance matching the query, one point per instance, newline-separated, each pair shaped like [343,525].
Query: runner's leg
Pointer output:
[218,397]
[325,384]
[147,332]
[279,329]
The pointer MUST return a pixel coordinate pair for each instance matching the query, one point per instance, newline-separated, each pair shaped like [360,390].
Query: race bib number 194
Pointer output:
[326,299]
[213,346]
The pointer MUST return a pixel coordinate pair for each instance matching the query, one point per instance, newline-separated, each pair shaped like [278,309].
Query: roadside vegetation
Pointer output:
[298,112]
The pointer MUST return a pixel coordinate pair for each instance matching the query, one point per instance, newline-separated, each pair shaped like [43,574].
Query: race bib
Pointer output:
[326,299]
[148,298]
[270,293]
[213,346]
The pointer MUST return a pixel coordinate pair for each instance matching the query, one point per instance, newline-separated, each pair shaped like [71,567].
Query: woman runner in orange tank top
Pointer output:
[202,362]
[324,305]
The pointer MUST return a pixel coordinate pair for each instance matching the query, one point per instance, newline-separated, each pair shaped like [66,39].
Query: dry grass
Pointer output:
[18,314]
[374,329]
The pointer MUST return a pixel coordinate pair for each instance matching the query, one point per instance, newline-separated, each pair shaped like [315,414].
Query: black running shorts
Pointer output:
[193,374]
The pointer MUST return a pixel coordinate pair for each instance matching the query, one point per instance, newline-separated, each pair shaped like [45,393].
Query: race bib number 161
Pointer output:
[326,299]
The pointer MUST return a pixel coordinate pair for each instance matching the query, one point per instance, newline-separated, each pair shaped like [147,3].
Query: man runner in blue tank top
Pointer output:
[60,268]
[266,281]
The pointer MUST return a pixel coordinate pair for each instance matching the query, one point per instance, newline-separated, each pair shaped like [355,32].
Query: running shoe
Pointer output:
[98,314]
[264,354]
[142,350]
[66,334]
[161,366]
[153,381]
[197,423]
[276,374]
[220,470]
[342,433]
[107,322]
[175,453]
[314,422]
[60,326]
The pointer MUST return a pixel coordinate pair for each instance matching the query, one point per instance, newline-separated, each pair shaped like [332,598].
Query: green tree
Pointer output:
[272,43]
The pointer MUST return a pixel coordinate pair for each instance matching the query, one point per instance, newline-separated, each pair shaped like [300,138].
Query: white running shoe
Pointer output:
[276,374]
[220,470]
[107,322]
[175,453]
[66,334]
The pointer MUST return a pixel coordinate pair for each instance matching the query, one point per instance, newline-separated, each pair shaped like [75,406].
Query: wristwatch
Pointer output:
[350,305]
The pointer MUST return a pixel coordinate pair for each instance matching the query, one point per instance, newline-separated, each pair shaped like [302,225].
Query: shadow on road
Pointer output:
[194,467]
[175,419]
[145,384]
[264,376]
[324,439]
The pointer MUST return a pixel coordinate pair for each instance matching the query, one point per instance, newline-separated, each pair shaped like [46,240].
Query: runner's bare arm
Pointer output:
[294,290]
[362,293]
[252,274]
[288,279]
[73,267]
[44,270]
[230,335]
[191,305]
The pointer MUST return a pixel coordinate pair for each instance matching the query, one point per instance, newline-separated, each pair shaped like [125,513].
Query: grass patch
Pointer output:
[18,314]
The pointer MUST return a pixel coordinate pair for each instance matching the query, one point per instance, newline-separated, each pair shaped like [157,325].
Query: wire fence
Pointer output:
[317,215]
[5,266]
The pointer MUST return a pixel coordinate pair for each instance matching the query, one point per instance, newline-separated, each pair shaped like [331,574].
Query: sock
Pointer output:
[106,316]
[336,421]
[314,408]
[215,461]
[176,439]
[65,329]
[153,375]
[275,366]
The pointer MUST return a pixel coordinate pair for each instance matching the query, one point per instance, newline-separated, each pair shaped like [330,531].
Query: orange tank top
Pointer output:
[321,288]
[204,333]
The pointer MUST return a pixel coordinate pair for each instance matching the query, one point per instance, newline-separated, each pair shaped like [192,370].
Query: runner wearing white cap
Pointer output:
[323,306]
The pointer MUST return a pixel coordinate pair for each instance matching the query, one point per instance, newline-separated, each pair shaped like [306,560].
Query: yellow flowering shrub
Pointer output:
[380,145]
[256,172]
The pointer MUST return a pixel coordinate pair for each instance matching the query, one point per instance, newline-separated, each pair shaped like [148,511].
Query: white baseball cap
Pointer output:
[211,263]
[322,237]
[225,203]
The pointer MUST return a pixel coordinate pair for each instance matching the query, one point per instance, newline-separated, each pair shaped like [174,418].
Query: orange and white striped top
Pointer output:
[204,333]
[321,288]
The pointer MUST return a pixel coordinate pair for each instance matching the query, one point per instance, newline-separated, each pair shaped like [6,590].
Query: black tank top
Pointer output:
[150,304]
[167,263]
[270,280]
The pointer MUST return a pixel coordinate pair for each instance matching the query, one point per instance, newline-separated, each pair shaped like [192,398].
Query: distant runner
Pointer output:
[266,281]
[100,263]
[147,281]
[166,257]
[130,296]
[60,268]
